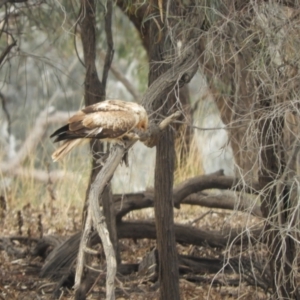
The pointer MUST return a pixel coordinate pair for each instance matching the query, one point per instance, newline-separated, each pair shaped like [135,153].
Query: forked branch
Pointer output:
[95,217]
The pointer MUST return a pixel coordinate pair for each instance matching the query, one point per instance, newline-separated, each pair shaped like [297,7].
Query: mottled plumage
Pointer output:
[111,120]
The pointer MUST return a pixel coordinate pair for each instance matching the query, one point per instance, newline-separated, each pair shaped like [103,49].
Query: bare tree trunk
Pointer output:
[164,169]
[164,217]
[183,135]
[95,92]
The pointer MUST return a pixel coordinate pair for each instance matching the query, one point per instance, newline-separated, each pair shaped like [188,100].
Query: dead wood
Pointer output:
[61,257]
[59,266]
[119,76]
[95,91]
[6,51]
[224,201]
[190,193]
[251,271]
[7,245]
[13,167]
[96,219]
[204,182]
[186,234]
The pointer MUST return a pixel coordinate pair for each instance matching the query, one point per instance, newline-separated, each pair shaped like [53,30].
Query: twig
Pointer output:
[130,88]
[201,217]
[37,174]
[180,74]
[6,51]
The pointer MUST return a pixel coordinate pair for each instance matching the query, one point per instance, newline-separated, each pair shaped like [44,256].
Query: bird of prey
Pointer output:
[110,120]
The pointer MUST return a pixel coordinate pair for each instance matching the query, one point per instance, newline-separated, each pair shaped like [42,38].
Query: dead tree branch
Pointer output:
[96,218]
[130,202]
[191,192]
[221,201]
[110,43]
[95,215]
[14,167]
[63,256]
[203,182]
[118,75]
[81,257]
[7,50]
[179,74]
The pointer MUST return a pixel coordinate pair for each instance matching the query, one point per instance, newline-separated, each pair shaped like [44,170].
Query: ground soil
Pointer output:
[19,277]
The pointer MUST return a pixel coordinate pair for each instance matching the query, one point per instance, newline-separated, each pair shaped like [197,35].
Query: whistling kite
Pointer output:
[110,120]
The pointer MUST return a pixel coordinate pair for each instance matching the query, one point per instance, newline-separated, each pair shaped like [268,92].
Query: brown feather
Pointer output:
[75,126]
[77,117]
[109,120]
[65,148]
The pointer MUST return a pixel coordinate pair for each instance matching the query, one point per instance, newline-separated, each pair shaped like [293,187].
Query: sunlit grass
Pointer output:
[190,165]
[58,200]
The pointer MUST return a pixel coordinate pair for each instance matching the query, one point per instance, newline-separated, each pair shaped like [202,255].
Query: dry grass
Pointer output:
[188,166]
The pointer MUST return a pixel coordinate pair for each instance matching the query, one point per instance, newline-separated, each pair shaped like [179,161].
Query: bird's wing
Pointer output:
[99,124]
[108,105]
[106,124]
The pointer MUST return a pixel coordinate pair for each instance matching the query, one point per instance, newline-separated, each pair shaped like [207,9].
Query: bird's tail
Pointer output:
[65,148]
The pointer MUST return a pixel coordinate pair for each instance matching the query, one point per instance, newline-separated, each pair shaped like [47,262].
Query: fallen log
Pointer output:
[189,266]
[135,201]
[215,180]
[62,257]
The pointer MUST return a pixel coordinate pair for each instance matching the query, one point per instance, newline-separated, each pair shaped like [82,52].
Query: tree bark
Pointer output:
[137,14]
[163,206]
[164,171]
[95,92]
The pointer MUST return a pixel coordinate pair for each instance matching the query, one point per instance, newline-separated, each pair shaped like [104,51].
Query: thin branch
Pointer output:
[110,44]
[6,51]
[13,166]
[3,99]
[31,141]
[40,175]
[97,188]
[118,74]
[180,74]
